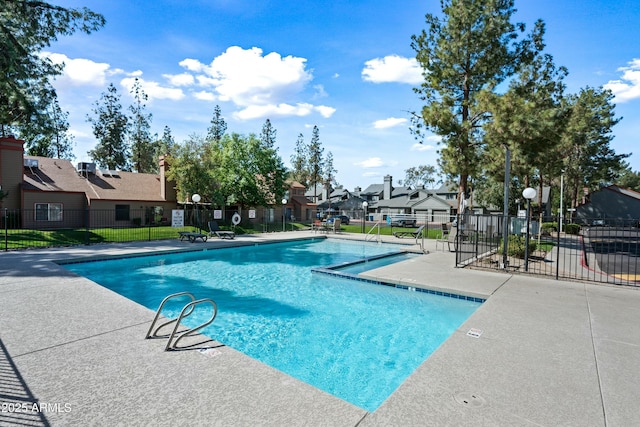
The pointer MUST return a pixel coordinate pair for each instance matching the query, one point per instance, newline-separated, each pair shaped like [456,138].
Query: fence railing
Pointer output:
[49,227]
[596,250]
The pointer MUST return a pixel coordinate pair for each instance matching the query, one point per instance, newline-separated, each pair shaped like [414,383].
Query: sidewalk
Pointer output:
[548,353]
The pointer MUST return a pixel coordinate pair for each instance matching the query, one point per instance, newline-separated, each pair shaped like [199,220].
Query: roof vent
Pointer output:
[107,172]
[31,163]
[87,168]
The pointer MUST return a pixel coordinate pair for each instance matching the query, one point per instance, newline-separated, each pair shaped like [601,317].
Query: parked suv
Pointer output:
[403,220]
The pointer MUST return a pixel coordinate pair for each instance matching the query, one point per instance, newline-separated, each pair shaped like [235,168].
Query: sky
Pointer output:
[344,66]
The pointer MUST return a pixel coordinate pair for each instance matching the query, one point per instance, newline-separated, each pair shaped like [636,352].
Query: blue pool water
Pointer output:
[355,340]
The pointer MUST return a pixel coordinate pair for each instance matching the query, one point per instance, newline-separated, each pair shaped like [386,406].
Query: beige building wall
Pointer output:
[11,155]
[103,212]
[73,210]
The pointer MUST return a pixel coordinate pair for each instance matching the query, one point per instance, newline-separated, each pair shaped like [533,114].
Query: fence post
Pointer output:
[6,230]
[476,235]
[558,252]
[86,225]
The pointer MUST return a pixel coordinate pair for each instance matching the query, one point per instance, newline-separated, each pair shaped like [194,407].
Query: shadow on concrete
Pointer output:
[19,405]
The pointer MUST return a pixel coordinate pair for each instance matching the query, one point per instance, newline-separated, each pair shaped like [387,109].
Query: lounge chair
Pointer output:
[414,234]
[192,236]
[215,230]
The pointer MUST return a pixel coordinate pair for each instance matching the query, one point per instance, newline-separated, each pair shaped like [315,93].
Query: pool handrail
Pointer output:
[154,333]
[173,345]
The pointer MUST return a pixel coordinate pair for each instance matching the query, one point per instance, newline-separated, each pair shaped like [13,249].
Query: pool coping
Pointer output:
[578,342]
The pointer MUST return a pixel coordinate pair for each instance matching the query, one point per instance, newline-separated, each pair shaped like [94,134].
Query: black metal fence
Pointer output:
[39,228]
[596,250]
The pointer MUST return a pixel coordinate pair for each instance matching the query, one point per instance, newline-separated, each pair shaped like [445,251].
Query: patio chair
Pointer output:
[450,237]
[215,230]
[415,234]
[317,225]
[333,225]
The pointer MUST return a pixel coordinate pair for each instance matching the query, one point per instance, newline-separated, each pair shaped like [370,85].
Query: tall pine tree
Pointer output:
[110,127]
[27,27]
[142,144]
[315,162]
[474,47]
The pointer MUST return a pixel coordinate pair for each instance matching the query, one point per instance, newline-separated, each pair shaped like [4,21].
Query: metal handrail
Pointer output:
[154,334]
[376,225]
[189,332]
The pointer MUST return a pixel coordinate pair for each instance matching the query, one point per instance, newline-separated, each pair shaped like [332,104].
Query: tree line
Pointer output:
[490,87]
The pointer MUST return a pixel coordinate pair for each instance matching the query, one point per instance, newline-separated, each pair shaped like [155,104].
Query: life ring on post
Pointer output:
[235,219]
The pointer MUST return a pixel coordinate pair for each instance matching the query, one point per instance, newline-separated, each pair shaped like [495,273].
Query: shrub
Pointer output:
[517,246]
[572,228]
[548,227]
[137,221]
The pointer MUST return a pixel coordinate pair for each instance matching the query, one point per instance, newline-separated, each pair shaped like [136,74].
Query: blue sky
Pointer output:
[345,66]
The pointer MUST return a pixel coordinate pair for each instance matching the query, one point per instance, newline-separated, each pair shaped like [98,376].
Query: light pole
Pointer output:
[505,208]
[528,193]
[364,214]
[284,202]
[196,199]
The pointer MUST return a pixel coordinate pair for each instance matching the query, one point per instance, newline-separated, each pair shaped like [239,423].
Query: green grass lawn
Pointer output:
[18,239]
[22,239]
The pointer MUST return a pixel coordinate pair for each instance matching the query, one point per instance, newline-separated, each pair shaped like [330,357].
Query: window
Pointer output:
[48,211]
[122,212]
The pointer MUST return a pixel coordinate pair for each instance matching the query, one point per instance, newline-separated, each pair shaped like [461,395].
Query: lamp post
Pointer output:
[528,193]
[196,199]
[505,208]
[364,214]
[284,202]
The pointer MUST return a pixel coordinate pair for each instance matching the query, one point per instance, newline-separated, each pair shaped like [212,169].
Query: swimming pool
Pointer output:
[353,339]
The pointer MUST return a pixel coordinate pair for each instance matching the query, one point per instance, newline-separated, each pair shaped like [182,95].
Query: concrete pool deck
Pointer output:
[540,353]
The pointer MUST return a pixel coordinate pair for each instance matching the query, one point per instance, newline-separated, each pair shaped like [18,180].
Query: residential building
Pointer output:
[609,205]
[53,193]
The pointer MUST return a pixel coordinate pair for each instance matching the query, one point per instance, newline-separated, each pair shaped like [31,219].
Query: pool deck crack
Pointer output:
[364,417]
[595,355]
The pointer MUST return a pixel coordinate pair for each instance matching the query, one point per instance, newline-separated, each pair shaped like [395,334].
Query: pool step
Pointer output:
[175,336]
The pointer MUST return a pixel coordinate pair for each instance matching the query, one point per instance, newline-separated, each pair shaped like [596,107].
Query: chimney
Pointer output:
[11,171]
[163,179]
[167,191]
[325,192]
[357,190]
[386,191]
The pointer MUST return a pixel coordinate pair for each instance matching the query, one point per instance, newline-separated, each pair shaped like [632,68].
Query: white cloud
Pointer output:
[248,78]
[388,123]
[283,109]
[262,85]
[183,79]
[325,111]
[372,162]
[153,89]
[203,95]
[392,68]
[320,92]
[628,86]
[192,65]
[422,147]
[80,71]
